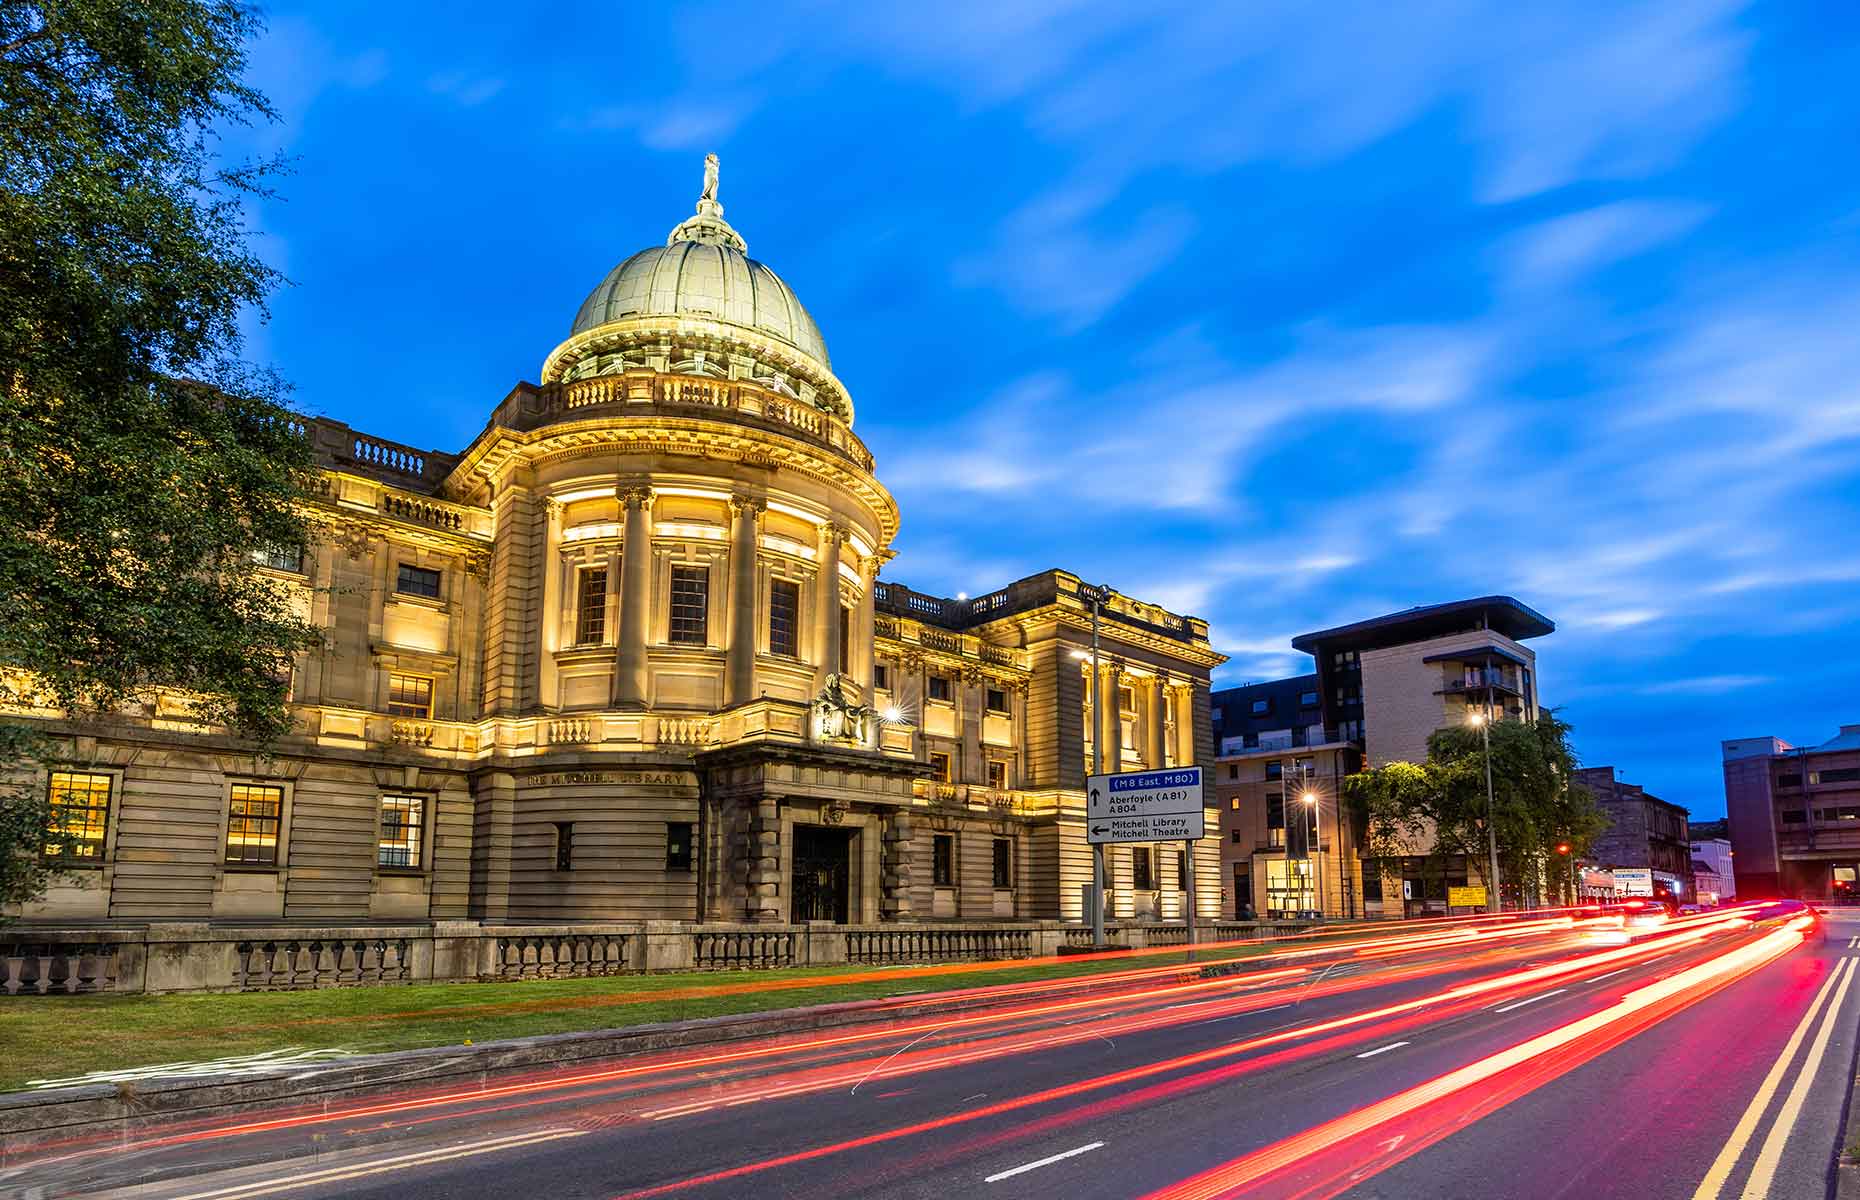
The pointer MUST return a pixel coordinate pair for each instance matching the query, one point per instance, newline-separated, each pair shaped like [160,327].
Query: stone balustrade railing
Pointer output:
[199,957]
[584,397]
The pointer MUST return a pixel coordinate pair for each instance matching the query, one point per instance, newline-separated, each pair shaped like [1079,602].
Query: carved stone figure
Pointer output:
[710,178]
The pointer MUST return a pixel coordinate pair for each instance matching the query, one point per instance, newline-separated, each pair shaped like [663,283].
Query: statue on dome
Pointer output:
[710,179]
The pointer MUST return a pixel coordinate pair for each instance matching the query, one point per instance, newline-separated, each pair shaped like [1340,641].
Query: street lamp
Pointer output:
[1317,831]
[1563,848]
[1484,721]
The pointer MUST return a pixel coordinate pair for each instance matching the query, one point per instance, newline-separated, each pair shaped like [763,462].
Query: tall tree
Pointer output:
[1536,804]
[142,462]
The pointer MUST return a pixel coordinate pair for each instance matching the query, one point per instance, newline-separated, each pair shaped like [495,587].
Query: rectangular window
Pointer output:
[1837,775]
[678,845]
[252,825]
[80,814]
[1233,770]
[784,618]
[939,763]
[1795,816]
[1142,869]
[591,607]
[417,581]
[690,606]
[289,559]
[997,774]
[997,700]
[881,677]
[410,696]
[943,860]
[939,687]
[1237,838]
[1004,862]
[403,831]
[1127,699]
[845,639]
[1307,700]
[1275,769]
[1275,809]
[1261,707]
[564,845]
[1790,779]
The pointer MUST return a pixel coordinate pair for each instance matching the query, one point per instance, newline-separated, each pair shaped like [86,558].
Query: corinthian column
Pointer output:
[635,598]
[1156,728]
[827,604]
[740,672]
[863,631]
[1111,714]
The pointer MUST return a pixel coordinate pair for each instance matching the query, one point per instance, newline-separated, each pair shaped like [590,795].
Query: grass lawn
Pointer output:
[45,1037]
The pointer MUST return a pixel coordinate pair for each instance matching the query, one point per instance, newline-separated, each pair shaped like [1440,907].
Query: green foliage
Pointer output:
[1535,805]
[141,462]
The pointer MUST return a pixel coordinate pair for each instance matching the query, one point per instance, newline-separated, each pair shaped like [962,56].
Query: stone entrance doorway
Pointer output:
[822,867]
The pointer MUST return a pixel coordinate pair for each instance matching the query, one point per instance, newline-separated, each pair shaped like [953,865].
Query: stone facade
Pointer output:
[627,657]
[1794,817]
[1643,831]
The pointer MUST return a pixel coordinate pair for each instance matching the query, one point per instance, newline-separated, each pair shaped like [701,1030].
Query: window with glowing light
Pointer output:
[690,623]
[997,774]
[403,832]
[410,696]
[253,824]
[81,814]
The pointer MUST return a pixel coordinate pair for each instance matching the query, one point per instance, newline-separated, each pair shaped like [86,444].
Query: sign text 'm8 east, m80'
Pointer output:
[1144,806]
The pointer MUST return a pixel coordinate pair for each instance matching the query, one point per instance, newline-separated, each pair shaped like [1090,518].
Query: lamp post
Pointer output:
[1095,597]
[1484,721]
[1317,830]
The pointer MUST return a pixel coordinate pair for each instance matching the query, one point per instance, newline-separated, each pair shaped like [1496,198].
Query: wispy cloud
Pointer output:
[466,90]
[1704,685]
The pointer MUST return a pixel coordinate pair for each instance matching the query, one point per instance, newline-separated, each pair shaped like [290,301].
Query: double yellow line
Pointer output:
[1763,1173]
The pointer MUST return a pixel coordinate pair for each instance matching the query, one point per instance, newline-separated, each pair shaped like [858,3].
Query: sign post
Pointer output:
[1188,885]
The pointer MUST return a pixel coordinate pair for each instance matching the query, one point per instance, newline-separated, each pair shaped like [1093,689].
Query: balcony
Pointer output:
[1479,682]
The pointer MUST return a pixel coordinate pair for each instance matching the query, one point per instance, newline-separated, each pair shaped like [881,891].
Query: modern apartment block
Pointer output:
[1794,815]
[1382,687]
[1278,851]
[1389,682]
[1644,832]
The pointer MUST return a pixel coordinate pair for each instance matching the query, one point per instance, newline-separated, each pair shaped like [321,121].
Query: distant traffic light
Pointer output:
[1562,847]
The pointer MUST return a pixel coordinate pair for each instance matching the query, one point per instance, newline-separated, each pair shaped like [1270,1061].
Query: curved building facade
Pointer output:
[628,656]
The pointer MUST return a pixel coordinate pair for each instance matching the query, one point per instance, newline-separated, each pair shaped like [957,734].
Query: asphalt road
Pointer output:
[1665,1062]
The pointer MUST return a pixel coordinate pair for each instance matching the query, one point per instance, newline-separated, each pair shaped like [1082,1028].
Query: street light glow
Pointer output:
[1475,718]
[1310,797]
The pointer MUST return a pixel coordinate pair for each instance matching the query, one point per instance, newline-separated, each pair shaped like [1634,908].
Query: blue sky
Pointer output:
[1282,314]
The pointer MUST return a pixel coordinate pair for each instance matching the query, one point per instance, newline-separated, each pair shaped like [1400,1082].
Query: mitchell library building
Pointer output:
[627,657]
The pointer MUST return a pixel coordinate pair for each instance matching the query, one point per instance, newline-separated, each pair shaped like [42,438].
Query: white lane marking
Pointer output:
[1722,1166]
[1048,1161]
[1611,974]
[1383,1049]
[1532,1000]
[1250,1013]
[1764,1172]
[397,1163]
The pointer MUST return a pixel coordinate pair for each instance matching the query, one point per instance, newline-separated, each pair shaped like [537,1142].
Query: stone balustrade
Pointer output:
[198,957]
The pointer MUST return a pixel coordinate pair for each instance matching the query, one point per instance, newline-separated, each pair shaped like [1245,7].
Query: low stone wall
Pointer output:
[189,957]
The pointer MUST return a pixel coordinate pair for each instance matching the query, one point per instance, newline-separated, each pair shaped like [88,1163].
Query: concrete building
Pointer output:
[1794,814]
[627,656]
[1645,833]
[1713,877]
[1382,687]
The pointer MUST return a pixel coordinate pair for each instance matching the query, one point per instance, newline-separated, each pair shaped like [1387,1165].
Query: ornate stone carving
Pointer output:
[838,719]
[633,495]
